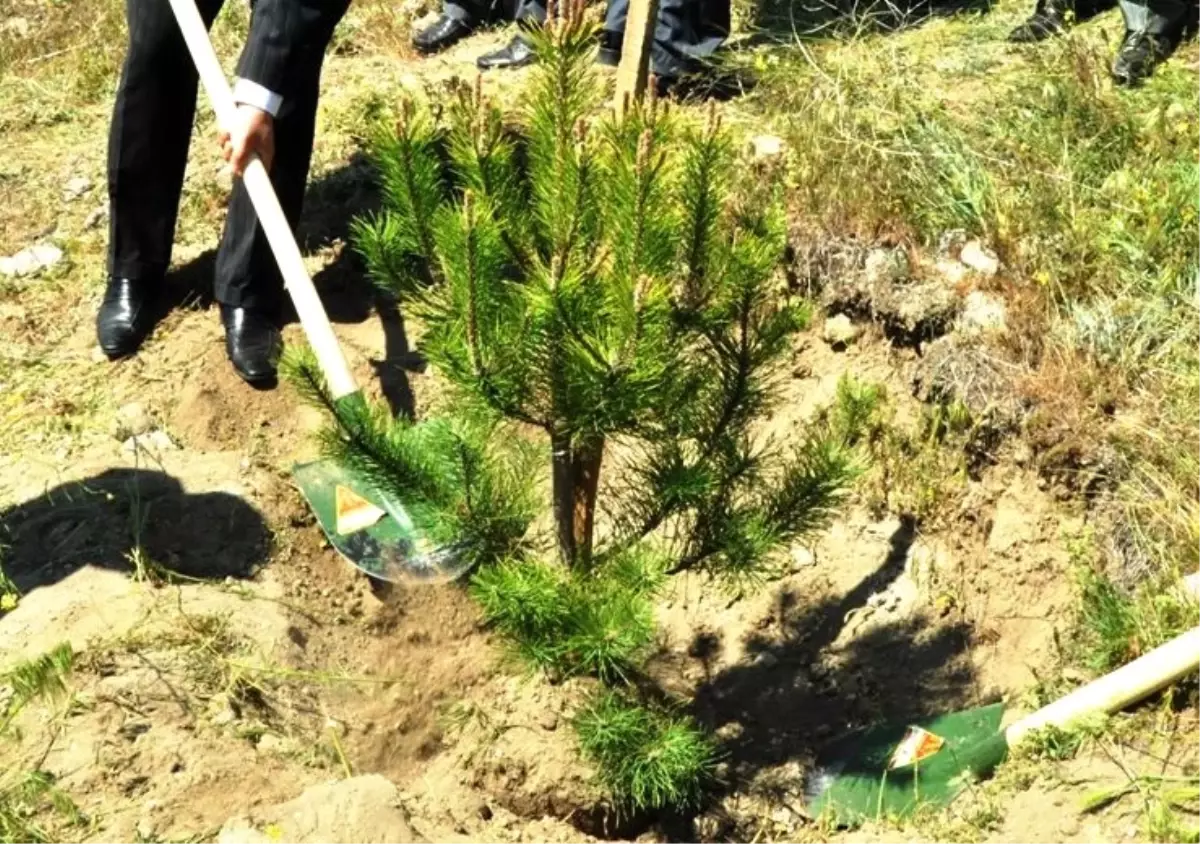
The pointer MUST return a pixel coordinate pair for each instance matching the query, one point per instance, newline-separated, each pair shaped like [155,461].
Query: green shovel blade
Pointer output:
[853,783]
[391,549]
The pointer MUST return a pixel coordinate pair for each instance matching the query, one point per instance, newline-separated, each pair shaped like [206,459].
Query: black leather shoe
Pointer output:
[1137,57]
[442,33]
[514,54]
[125,316]
[252,343]
[1049,19]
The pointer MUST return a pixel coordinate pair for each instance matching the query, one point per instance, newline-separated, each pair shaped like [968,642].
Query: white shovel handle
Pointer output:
[1113,692]
[270,216]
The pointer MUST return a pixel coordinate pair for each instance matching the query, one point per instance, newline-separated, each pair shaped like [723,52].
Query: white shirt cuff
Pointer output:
[250,93]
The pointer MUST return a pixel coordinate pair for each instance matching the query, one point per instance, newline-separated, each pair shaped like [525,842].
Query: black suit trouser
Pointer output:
[147,155]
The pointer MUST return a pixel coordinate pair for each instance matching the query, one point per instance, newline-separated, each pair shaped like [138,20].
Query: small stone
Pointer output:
[766,147]
[32,260]
[951,270]
[224,718]
[132,420]
[155,442]
[145,829]
[76,188]
[979,258]
[802,558]
[95,217]
[766,659]
[271,743]
[333,725]
[886,266]
[17,27]
[1192,585]
[548,721]
[840,332]
[983,314]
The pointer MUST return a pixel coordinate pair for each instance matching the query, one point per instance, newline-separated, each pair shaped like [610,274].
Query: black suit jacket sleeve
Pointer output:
[287,37]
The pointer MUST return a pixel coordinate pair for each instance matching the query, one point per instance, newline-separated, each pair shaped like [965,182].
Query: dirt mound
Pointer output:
[217,411]
[362,809]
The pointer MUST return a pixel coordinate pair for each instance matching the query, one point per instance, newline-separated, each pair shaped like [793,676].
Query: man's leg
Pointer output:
[147,155]
[249,288]
[1151,29]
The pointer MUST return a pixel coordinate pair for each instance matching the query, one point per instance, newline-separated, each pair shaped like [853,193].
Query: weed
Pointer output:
[1117,627]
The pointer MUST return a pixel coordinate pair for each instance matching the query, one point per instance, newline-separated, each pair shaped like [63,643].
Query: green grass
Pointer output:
[29,798]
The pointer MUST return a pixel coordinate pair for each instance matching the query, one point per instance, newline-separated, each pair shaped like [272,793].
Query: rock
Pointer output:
[145,829]
[271,743]
[766,147]
[96,217]
[802,558]
[16,26]
[132,420]
[548,720]
[76,188]
[953,271]
[31,261]
[840,332]
[979,258]
[1192,585]
[155,442]
[886,266]
[766,659]
[983,314]
[224,717]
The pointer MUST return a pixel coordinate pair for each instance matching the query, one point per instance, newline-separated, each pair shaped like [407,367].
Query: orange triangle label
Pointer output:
[354,513]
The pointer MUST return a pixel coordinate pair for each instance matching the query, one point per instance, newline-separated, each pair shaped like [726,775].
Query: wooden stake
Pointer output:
[634,68]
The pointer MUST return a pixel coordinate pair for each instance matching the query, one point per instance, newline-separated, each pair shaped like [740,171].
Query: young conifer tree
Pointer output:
[600,290]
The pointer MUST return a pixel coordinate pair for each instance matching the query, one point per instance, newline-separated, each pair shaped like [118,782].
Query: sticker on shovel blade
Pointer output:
[353,512]
[916,746]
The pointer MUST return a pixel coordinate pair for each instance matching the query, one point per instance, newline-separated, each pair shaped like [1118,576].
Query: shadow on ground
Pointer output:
[99,521]
[331,203]
[795,691]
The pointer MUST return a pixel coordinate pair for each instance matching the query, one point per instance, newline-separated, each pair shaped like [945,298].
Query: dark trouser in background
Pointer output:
[1164,18]
[477,12]
[687,32]
[147,155]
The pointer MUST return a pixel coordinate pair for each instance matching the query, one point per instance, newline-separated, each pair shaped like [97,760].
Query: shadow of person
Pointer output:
[101,520]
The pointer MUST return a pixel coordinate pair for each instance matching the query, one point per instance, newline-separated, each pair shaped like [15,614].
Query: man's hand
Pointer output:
[253,132]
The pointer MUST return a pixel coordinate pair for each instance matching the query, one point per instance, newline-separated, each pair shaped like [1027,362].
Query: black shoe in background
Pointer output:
[1049,19]
[442,33]
[1137,57]
[516,53]
[126,315]
[253,344]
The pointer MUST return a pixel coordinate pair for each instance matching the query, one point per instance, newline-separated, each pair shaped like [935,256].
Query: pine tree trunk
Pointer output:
[576,478]
[585,469]
[564,495]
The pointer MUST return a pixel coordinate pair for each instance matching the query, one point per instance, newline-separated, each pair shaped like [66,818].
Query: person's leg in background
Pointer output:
[457,20]
[518,52]
[248,286]
[147,155]
[1152,29]
[686,34]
